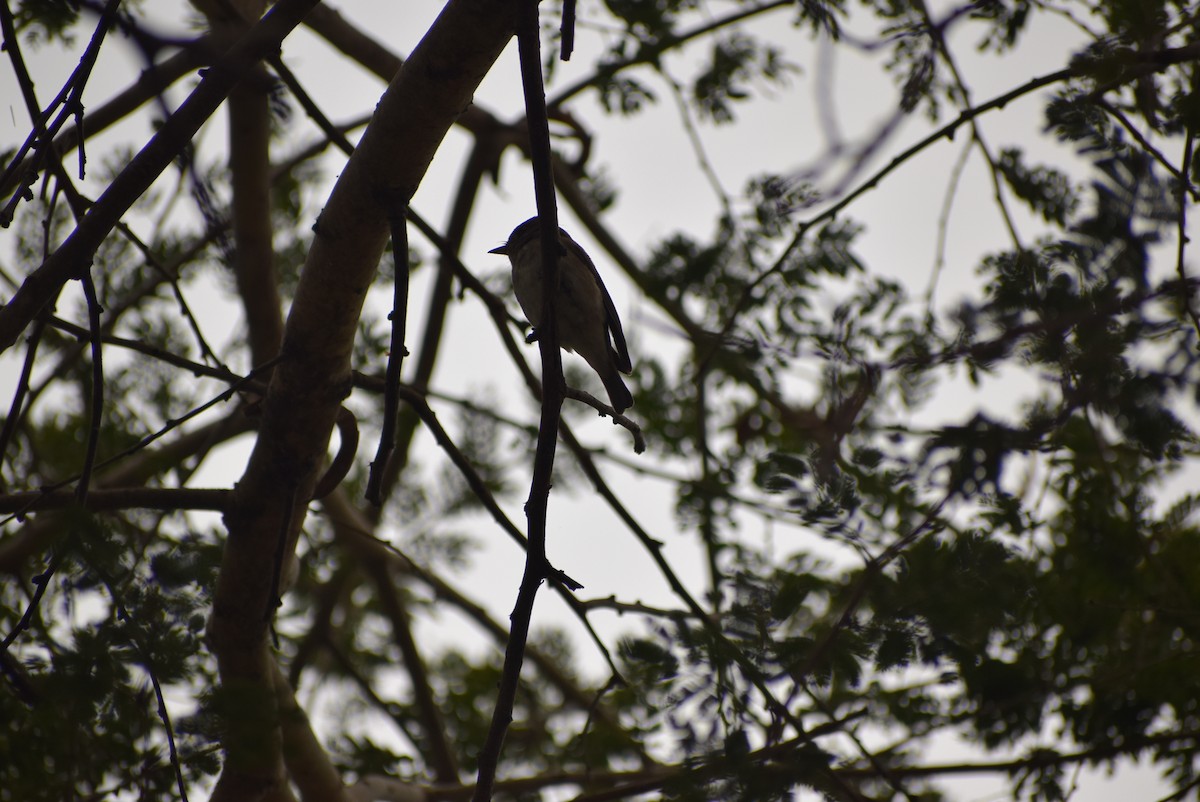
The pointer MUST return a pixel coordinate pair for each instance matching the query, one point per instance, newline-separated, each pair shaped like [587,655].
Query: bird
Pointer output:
[588,323]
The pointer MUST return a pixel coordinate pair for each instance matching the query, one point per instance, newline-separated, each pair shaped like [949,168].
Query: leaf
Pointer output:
[1046,190]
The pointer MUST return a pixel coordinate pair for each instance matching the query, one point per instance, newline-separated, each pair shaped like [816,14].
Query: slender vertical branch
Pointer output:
[537,568]
[97,396]
[1181,247]
[437,307]
[397,219]
[433,723]
[250,173]
[22,390]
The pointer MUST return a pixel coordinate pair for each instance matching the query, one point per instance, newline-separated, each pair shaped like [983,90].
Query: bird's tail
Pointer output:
[618,394]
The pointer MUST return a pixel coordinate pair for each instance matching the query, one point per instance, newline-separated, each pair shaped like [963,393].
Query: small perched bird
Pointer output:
[587,319]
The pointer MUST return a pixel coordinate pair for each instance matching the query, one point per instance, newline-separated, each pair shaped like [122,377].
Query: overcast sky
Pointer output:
[785,130]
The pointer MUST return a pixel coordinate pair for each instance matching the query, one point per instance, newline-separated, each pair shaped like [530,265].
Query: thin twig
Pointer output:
[18,402]
[937,34]
[274,599]
[433,723]
[1147,146]
[939,260]
[871,570]
[69,98]
[41,582]
[251,379]
[946,131]
[396,354]
[654,549]
[97,389]
[651,52]
[75,254]
[144,656]
[1182,235]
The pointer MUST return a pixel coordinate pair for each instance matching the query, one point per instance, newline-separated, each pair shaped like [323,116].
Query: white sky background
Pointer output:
[661,191]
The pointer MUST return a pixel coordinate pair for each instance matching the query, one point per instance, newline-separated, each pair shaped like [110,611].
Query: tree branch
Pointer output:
[423,101]
[74,256]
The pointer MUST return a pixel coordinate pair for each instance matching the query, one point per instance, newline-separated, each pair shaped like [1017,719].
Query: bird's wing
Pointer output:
[612,320]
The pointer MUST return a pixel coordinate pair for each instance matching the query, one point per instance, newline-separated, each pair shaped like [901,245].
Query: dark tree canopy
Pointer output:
[252,476]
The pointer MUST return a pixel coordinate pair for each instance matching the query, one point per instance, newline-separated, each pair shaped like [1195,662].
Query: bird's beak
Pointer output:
[502,250]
